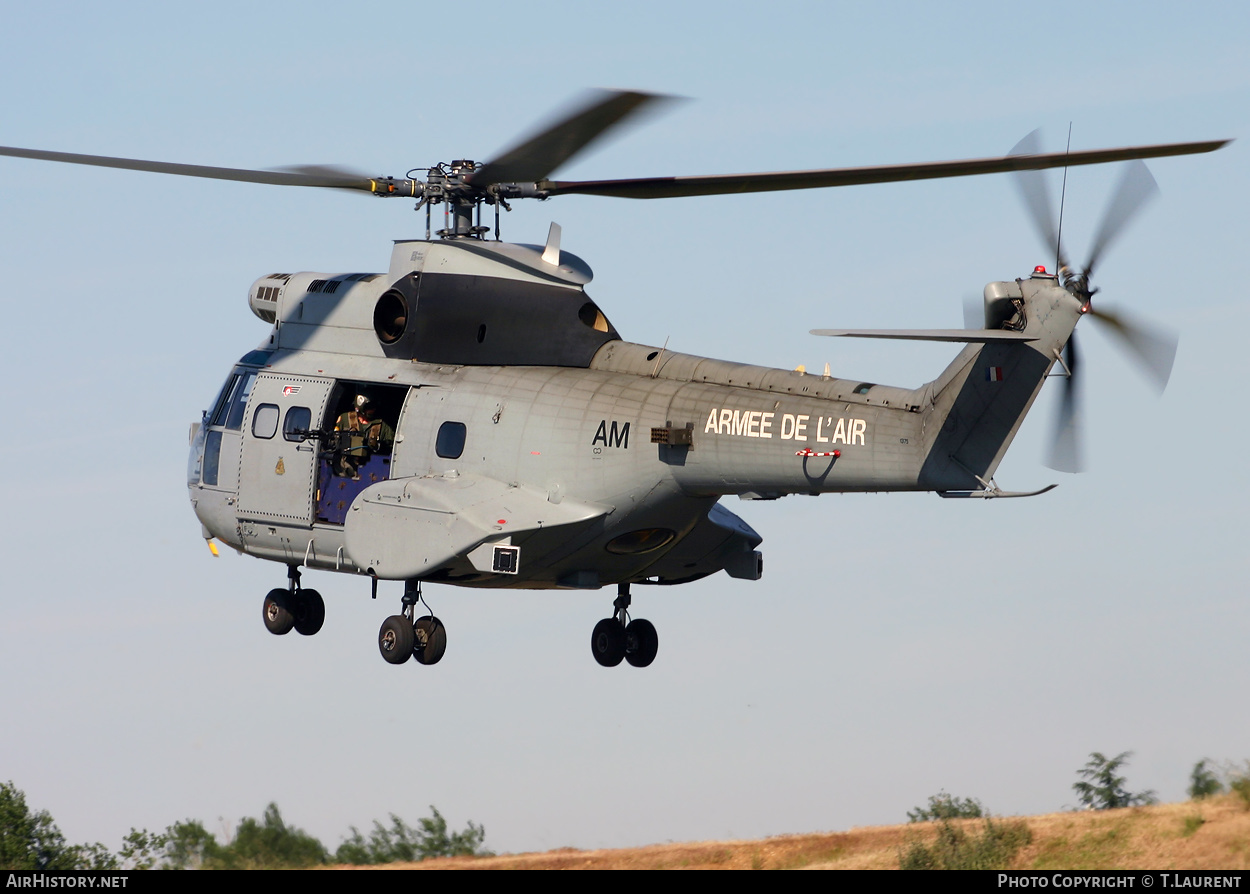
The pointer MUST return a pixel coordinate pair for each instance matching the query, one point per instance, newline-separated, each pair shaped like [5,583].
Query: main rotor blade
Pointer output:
[1065,445]
[545,151]
[1137,187]
[1032,186]
[1152,347]
[974,312]
[675,187]
[318,177]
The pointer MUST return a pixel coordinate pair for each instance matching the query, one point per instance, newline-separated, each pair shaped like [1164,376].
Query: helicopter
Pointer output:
[471,417]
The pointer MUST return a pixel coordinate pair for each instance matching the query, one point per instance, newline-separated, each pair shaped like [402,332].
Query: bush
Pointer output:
[401,843]
[1239,783]
[30,840]
[1102,789]
[944,806]
[955,848]
[1203,782]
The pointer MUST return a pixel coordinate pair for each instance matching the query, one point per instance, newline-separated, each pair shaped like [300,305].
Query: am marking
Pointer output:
[616,436]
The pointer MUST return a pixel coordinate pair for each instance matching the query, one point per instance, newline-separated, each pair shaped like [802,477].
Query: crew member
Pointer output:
[364,435]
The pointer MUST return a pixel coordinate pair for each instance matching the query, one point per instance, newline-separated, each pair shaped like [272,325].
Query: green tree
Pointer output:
[268,843]
[1203,782]
[401,843]
[944,806]
[1101,789]
[141,849]
[30,840]
[188,845]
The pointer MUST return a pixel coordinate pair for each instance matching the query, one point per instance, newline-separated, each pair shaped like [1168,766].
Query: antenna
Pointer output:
[1063,193]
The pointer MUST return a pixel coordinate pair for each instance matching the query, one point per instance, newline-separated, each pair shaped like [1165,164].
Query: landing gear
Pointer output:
[395,639]
[310,612]
[607,642]
[401,637]
[430,640]
[277,612]
[294,607]
[617,638]
[641,642]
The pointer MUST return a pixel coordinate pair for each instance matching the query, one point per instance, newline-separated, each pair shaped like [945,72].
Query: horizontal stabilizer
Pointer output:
[969,336]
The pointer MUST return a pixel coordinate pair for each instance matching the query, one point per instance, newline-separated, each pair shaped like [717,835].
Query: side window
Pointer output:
[450,441]
[296,423]
[212,458]
[265,421]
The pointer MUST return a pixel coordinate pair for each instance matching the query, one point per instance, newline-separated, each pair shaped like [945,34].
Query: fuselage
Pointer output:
[610,470]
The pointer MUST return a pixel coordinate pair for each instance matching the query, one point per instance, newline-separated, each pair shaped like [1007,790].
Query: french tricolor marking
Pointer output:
[994,374]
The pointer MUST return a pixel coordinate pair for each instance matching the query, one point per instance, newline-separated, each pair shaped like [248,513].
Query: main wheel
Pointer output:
[607,643]
[395,639]
[430,640]
[310,612]
[641,642]
[277,612]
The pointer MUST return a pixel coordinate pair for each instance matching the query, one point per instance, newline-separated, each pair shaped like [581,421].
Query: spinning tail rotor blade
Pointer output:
[1137,187]
[1153,348]
[1065,447]
[1032,186]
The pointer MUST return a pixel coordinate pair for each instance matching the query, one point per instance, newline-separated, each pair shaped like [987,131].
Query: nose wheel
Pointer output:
[618,638]
[294,608]
[405,636]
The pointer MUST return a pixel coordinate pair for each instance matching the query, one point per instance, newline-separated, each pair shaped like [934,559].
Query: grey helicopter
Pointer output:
[471,417]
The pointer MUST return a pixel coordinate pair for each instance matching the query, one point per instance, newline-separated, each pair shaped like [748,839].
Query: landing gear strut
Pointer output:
[294,607]
[618,638]
[405,635]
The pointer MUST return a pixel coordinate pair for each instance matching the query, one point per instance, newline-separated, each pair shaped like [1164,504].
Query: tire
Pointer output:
[607,642]
[641,642]
[429,640]
[277,612]
[395,639]
[310,612]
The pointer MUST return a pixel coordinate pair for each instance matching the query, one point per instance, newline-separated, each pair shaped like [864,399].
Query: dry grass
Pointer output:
[1210,834]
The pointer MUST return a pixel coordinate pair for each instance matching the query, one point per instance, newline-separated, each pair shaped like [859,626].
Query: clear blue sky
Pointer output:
[897,645]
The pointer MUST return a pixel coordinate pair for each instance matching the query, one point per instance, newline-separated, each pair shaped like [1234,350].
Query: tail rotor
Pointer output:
[1153,348]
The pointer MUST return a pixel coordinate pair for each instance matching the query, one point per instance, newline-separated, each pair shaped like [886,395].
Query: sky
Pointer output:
[897,645]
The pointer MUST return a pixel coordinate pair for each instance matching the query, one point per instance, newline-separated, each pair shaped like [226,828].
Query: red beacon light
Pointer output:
[1040,268]
[1039,272]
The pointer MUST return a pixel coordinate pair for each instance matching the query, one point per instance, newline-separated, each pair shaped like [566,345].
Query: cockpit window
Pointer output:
[217,415]
[238,400]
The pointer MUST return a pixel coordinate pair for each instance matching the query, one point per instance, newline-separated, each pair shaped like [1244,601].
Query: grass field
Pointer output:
[1209,834]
